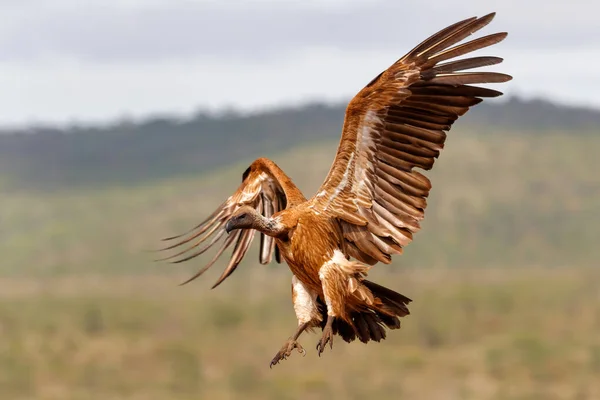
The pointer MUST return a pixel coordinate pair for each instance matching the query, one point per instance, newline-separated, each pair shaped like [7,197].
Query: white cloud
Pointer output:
[60,59]
[114,32]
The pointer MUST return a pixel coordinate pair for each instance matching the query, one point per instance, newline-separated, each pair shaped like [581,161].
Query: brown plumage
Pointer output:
[372,200]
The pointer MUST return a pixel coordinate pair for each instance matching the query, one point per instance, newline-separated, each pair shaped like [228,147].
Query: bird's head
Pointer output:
[244,218]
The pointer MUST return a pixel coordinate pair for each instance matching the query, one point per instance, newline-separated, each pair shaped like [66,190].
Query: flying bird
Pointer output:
[371,202]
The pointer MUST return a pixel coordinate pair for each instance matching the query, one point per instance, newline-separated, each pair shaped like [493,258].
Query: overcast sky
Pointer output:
[61,61]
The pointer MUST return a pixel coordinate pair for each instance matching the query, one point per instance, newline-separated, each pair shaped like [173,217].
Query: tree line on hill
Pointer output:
[160,147]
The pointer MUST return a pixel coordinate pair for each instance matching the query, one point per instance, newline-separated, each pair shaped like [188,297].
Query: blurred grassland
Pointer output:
[504,278]
[472,334]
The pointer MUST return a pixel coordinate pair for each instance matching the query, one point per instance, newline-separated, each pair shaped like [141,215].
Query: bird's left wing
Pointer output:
[396,124]
[261,190]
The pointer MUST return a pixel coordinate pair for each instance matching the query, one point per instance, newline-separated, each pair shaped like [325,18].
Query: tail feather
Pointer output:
[390,322]
[376,329]
[370,323]
[396,302]
[345,330]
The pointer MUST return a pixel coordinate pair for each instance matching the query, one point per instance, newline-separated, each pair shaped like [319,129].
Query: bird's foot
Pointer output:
[286,351]
[326,338]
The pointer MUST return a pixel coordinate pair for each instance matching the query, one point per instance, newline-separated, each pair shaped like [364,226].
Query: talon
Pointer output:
[286,351]
[327,337]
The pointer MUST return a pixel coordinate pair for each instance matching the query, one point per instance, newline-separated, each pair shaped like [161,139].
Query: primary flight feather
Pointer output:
[372,200]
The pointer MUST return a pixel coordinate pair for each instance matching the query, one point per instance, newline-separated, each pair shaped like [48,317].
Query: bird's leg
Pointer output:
[290,345]
[327,335]
[333,278]
[307,313]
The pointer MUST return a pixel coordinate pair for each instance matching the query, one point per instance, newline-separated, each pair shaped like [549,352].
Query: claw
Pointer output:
[327,337]
[323,343]
[286,351]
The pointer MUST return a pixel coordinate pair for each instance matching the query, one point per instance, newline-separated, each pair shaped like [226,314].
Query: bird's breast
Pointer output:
[310,244]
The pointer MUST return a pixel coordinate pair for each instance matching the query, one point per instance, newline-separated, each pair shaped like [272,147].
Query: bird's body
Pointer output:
[372,200]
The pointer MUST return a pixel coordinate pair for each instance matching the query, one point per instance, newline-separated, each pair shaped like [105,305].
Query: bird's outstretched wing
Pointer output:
[261,190]
[397,123]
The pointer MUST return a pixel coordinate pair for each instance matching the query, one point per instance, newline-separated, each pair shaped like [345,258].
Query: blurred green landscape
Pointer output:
[504,274]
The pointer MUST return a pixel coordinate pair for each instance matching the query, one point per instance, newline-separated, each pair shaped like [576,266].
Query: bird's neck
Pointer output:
[269,226]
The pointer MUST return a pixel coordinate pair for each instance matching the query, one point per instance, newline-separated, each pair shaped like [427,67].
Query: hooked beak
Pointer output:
[229,226]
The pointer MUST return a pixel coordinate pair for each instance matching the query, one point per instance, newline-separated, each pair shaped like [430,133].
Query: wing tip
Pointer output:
[187,281]
[228,271]
[489,16]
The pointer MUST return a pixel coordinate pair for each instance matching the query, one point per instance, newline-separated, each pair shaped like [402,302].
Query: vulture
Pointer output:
[371,202]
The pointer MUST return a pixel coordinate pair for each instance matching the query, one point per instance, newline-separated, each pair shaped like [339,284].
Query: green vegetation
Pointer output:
[473,334]
[501,200]
[128,152]
[504,279]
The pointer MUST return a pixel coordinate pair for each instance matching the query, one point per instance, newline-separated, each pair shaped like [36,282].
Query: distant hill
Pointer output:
[504,200]
[161,147]
[534,116]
